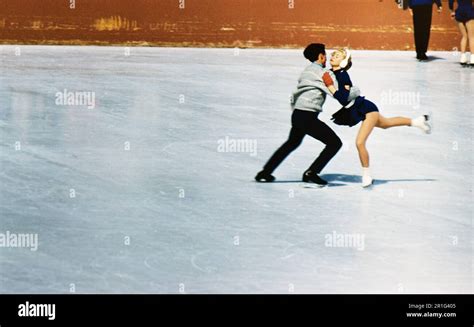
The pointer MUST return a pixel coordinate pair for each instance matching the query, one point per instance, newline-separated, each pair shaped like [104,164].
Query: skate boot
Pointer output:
[425,123]
[264,177]
[313,179]
[366,179]
[463,59]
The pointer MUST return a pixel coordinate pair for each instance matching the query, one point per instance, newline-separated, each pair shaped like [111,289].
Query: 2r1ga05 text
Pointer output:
[444,306]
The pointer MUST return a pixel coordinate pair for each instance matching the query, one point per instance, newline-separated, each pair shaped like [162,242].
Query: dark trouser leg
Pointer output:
[427,17]
[294,140]
[322,132]
[422,25]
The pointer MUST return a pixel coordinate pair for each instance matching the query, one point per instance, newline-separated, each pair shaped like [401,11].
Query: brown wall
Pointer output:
[361,24]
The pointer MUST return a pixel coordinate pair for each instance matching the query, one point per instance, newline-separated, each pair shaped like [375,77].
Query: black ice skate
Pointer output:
[313,179]
[264,177]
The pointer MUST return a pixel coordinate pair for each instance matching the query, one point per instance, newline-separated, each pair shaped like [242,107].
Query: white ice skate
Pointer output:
[463,59]
[425,123]
[428,123]
[367,181]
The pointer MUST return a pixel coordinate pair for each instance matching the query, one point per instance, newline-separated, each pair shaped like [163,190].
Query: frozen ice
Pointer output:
[150,189]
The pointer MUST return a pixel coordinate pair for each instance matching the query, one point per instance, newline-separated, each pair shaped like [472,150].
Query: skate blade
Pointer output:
[368,186]
[310,185]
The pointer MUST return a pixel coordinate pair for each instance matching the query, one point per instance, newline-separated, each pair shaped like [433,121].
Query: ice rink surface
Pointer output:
[146,193]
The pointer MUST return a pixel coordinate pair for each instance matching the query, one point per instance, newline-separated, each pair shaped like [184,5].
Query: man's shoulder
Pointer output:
[315,66]
[315,69]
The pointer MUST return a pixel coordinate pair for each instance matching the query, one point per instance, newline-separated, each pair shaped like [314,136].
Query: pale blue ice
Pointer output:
[145,193]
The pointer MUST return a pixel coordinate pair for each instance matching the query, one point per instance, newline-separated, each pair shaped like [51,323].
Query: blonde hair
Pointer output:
[344,52]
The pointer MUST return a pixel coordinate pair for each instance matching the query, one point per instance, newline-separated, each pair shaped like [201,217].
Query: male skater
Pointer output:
[307,103]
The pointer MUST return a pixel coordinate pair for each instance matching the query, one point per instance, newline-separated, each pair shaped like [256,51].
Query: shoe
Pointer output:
[424,123]
[367,181]
[428,124]
[422,57]
[310,177]
[463,60]
[264,177]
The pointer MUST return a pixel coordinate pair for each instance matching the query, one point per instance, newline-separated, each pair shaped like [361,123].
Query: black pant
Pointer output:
[307,122]
[422,25]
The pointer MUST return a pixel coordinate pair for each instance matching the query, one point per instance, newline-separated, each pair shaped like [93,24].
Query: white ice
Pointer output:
[160,208]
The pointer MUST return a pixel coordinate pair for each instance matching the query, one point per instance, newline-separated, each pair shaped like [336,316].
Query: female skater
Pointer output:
[464,16]
[363,110]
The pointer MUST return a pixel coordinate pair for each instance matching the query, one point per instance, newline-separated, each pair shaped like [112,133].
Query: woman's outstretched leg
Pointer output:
[384,122]
[366,128]
[422,122]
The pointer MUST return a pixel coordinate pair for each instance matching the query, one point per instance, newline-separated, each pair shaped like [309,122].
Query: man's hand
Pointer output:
[327,79]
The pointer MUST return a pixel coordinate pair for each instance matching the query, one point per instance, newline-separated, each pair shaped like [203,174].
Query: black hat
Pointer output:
[313,51]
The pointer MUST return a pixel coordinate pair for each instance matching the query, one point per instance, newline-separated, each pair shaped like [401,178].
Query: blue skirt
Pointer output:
[465,13]
[358,112]
[355,114]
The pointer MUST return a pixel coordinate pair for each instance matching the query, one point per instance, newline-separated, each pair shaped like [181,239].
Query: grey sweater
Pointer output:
[311,92]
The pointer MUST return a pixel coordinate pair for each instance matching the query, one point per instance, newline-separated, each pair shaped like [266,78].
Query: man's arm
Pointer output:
[321,85]
[342,94]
